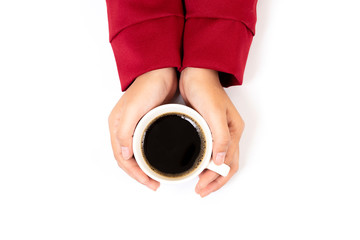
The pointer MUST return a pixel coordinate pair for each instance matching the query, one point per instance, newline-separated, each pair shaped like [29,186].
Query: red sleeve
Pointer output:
[145,35]
[218,35]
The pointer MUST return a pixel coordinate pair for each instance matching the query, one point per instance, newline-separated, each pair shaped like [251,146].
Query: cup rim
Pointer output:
[153,114]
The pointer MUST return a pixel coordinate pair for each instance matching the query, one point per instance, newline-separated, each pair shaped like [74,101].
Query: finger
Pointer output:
[132,169]
[206,177]
[220,132]
[233,147]
[235,122]
[221,181]
[124,127]
[124,135]
[187,103]
[216,184]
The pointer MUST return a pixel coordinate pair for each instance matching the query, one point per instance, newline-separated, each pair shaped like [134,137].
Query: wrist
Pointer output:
[197,79]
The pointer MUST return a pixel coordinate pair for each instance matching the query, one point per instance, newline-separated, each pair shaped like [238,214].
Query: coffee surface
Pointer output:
[173,145]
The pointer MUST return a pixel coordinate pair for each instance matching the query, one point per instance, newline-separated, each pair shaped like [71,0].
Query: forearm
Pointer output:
[145,35]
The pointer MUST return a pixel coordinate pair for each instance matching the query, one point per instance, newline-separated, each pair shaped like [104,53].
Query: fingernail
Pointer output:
[220,158]
[125,153]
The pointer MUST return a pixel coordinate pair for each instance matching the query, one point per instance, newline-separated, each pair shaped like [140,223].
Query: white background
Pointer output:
[300,159]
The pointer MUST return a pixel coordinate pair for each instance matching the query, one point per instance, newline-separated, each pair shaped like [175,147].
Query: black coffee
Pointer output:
[173,145]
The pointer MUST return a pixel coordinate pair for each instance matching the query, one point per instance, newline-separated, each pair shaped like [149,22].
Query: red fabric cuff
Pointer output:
[146,46]
[219,44]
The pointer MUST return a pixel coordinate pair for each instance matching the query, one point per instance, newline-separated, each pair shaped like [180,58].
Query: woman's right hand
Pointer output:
[148,91]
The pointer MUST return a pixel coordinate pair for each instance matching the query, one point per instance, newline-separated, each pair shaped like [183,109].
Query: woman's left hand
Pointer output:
[201,89]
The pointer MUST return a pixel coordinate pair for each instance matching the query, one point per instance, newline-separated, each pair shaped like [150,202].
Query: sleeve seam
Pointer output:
[146,20]
[226,19]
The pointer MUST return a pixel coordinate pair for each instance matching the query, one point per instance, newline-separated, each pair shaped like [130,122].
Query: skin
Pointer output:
[201,89]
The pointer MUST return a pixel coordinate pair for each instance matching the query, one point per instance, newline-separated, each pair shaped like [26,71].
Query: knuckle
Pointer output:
[240,126]
[235,167]
[110,118]
[119,163]
[123,140]
[241,123]
[113,123]
[121,134]
[218,182]
[218,185]
[117,157]
[113,116]
[223,140]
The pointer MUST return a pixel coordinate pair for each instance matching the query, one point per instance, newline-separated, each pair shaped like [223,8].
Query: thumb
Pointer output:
[126,150]
[125,131]
[221,136]
[125,142]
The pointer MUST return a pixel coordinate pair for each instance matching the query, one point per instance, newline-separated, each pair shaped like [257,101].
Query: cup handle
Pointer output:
[222,169]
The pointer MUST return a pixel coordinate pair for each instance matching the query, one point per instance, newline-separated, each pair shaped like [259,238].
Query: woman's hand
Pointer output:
[148,91]
[201,89]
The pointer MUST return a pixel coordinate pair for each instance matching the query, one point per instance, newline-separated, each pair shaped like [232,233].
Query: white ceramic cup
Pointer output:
[206,162]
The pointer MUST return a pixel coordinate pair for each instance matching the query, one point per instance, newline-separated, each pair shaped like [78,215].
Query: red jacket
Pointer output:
[152,34]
